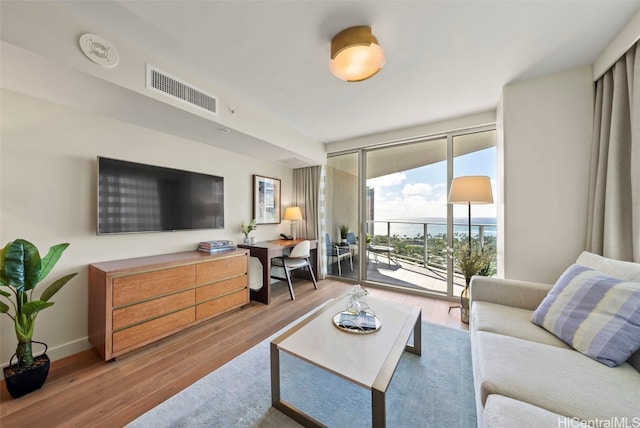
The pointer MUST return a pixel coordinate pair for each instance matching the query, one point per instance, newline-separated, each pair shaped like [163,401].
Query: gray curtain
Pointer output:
[614,185]
[308,194]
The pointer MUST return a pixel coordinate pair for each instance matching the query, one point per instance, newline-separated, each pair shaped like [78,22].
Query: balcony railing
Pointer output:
[425,244]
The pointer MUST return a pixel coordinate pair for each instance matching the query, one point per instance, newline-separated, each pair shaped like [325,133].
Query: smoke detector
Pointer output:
[99,50]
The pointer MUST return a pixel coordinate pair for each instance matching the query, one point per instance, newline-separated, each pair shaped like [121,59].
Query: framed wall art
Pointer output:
[266,199]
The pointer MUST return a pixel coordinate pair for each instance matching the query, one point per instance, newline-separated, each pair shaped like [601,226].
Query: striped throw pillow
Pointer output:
[596,314]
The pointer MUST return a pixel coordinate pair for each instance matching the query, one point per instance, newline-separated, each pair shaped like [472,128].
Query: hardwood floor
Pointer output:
[82,390]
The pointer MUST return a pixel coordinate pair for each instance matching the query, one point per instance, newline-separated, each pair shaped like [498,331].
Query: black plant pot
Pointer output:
[23,382]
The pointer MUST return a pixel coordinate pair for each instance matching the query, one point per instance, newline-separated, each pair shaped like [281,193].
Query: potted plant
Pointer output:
[247,228]
[470,261]
[21,270]
[344,231]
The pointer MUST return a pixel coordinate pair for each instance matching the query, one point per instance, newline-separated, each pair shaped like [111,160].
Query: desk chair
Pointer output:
[297,259]
[339,252]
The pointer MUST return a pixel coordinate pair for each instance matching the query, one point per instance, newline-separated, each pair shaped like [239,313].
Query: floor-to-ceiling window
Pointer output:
[394,200]
[407,194]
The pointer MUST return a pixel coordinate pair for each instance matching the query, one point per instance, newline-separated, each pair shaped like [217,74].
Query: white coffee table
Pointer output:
[317,341]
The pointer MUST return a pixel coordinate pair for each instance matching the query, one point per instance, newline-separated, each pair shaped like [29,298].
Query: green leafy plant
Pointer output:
[21,270]
[247,228]
[344,231]
[472,261]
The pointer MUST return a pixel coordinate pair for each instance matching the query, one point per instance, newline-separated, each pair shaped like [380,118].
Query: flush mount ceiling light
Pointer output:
[355,54]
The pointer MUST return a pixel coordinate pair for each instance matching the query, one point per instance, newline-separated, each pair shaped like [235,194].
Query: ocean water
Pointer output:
[412,228]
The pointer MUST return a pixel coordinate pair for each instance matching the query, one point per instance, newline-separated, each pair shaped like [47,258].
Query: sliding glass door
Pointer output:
[407,215]
[393,201]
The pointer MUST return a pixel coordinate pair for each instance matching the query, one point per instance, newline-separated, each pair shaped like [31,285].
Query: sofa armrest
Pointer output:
[508,292]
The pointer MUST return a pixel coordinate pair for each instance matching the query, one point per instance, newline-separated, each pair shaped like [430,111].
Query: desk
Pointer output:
[265,251]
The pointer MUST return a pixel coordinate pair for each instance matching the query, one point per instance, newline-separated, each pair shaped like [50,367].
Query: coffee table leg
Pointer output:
[378,409]
[276,402]
[417,336]
[275,375]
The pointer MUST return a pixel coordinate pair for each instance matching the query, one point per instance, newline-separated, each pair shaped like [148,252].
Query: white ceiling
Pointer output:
[445,59]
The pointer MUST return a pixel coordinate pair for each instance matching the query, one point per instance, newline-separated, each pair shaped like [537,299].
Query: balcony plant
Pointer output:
[344,231]
[21,270]
[470,261]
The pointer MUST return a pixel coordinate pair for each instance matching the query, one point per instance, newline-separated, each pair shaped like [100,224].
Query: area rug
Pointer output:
[432,390]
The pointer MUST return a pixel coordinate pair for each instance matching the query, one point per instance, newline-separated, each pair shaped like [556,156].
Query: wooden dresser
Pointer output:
[134,302]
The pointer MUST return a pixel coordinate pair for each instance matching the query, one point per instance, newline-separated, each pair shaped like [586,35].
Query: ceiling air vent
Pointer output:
[163,83]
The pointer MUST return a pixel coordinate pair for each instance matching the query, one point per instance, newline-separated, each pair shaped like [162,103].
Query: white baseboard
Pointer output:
[58,352]
[70,348]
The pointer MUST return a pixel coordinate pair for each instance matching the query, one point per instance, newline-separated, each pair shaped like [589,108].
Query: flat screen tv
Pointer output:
[134,197]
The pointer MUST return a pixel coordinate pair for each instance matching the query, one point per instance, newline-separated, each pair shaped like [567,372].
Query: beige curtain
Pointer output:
[308,194]
[614,185]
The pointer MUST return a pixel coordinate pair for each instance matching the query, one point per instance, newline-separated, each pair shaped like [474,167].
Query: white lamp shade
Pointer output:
[293,213]
[472,189]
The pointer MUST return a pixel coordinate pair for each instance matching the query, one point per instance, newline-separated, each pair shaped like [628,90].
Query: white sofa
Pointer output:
[525,376]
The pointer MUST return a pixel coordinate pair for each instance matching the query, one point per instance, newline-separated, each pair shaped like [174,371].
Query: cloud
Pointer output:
[440,186]
[410,208]
[421,189]
[387,180]
[414,200]
[403,206]
[417,200]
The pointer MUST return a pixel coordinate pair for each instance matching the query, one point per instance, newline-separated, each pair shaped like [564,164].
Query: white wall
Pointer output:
[628,35]
[48,195]
[24,24]
[545,137]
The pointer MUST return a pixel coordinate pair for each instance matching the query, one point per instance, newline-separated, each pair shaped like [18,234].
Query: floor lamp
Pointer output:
[470,190]
[293,214]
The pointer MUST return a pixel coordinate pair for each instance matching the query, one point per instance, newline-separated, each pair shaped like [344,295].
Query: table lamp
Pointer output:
[294,214]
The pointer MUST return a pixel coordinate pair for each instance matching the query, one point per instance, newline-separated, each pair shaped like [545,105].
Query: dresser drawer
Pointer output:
[133,314]
[149,331]
[211,291]
[143,286]
[217,270]
[222,304]
[134,302]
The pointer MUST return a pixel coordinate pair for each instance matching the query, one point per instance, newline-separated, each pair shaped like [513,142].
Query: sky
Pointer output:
[422,192]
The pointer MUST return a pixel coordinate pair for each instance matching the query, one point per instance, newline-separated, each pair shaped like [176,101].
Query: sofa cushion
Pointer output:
[519,294]
[596,314]
[505,412]
[628,271]
[618,269]
[559,380]
[510,321]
